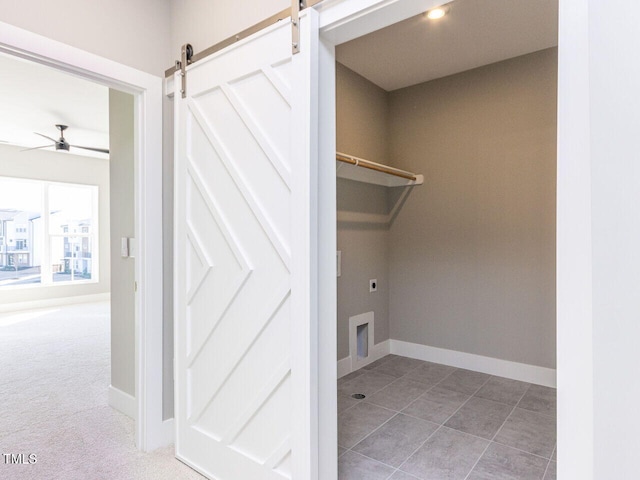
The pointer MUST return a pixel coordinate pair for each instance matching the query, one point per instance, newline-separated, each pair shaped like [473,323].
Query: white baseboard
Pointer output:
[344,367]
[165,437]
[347,365]
[54,302]
[493,366]
[122,401]
[168,432]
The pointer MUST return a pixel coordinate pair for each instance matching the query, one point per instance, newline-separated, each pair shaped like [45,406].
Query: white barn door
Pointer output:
[245,259]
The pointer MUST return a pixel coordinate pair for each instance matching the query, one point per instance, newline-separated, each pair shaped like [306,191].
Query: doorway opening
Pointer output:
[465,261]
[144,141]
[66,188]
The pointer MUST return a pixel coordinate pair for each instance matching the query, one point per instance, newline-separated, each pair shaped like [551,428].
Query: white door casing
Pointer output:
[246,259]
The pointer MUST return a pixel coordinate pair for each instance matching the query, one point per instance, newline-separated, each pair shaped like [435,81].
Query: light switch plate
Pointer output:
[124,247]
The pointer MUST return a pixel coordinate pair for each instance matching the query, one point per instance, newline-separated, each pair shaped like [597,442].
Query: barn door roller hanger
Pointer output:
[187,55]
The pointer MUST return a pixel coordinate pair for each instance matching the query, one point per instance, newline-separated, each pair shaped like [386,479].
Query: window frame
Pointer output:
[46,266]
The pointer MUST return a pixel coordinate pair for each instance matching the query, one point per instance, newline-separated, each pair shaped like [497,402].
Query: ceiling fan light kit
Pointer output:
[62,144]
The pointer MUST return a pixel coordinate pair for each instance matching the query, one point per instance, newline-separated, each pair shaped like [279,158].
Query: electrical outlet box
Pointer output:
[373,285]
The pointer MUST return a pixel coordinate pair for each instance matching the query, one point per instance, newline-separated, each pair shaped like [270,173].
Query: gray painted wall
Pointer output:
[361,123]
[167,267]
[472,263]
[121,170]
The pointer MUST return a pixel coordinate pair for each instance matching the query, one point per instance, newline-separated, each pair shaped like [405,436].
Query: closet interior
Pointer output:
[446,178]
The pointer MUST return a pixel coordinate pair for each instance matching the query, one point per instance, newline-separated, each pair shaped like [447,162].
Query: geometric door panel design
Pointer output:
[243,260]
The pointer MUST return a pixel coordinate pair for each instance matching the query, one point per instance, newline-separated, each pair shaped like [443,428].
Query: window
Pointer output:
[70,231]
[53,247]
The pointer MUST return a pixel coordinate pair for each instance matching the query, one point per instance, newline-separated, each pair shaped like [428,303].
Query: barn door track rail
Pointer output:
[187,55]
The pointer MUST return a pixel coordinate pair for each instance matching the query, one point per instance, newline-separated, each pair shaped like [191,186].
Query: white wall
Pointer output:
[598,238]
[203,23]
[134,33]
[614,139]
[575,378]
[61,167]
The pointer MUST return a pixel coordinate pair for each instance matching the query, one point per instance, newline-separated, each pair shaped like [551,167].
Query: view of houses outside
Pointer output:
[20,230]
[23,237]
[70,231]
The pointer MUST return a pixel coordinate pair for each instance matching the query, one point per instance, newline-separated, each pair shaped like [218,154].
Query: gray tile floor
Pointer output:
[421,420]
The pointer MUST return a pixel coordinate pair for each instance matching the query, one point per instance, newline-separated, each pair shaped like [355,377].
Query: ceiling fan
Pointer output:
[62,144]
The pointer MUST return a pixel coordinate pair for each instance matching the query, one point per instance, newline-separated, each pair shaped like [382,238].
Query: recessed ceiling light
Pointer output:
[436,13]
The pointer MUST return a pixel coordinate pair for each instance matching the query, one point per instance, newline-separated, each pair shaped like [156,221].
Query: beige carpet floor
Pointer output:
[54,379]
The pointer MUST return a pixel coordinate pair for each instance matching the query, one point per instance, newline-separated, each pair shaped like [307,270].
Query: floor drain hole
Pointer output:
[358,396]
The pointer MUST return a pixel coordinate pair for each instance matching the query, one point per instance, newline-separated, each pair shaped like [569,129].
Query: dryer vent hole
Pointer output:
[362,340]
[358,396]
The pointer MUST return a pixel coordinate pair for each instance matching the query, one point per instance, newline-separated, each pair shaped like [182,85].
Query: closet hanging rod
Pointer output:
[361,162]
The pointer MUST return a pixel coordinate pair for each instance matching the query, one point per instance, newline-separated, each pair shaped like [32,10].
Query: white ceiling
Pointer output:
[472,34]
[33,98]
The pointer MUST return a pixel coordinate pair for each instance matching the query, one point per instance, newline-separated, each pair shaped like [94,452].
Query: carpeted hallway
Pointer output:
[54,376]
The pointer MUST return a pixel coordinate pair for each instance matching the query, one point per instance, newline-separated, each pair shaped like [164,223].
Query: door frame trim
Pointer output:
[151,430]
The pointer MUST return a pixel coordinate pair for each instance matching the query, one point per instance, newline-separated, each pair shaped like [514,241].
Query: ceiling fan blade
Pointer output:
[101,150]
[36,148]
[48,138]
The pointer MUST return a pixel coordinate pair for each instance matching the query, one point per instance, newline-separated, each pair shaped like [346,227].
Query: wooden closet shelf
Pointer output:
[361,170]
